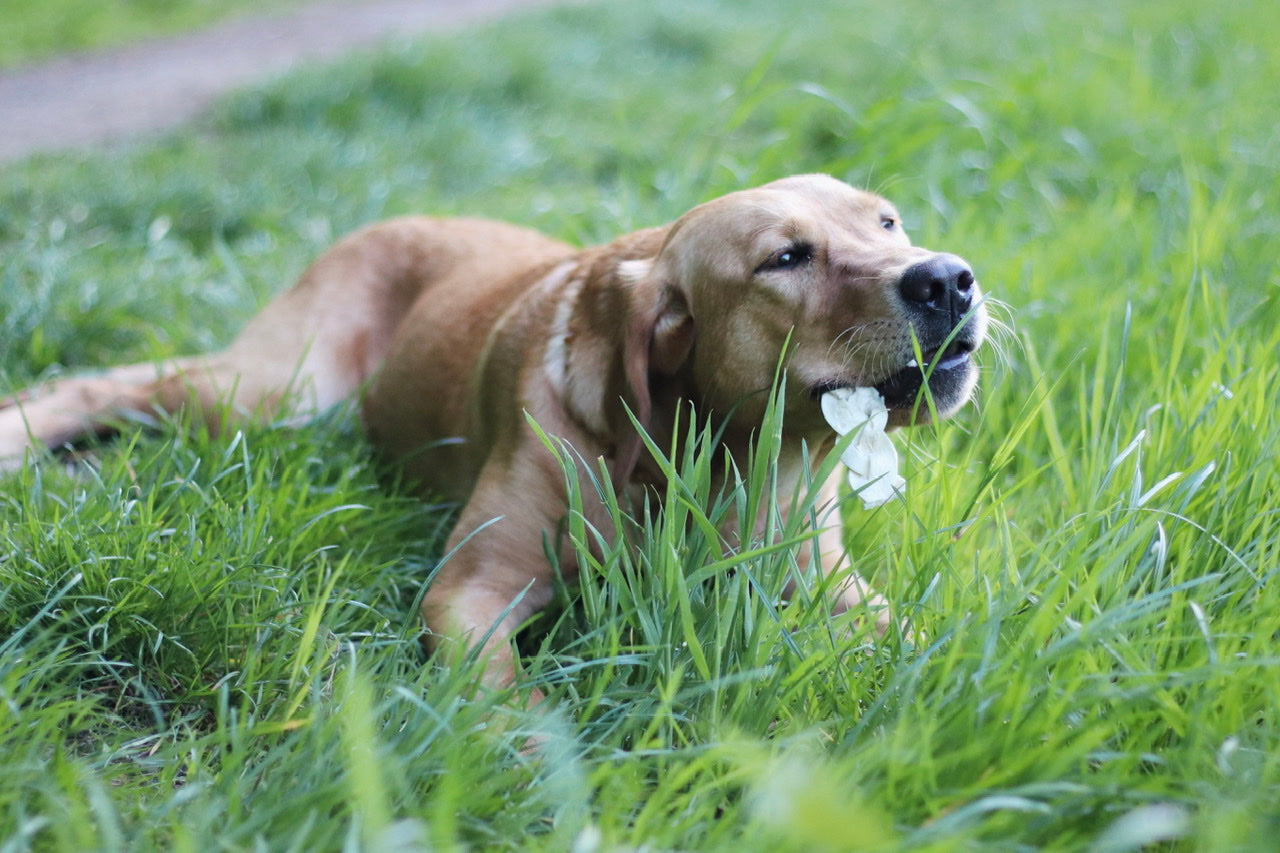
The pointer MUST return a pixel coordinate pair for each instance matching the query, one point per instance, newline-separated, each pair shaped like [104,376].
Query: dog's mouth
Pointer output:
[947,369]
[950,358]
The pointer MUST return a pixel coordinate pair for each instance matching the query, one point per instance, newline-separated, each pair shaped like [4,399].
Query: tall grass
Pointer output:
[214,641]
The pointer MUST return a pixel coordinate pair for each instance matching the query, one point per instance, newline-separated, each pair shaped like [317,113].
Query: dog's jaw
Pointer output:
[951,373]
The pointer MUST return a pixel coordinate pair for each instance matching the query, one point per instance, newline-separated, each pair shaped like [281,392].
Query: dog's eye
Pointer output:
[789,258]
[888,223]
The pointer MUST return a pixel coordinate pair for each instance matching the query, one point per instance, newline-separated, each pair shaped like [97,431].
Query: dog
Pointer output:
[454,329]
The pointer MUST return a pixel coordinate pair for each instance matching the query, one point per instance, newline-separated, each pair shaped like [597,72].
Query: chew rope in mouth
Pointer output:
[871,457]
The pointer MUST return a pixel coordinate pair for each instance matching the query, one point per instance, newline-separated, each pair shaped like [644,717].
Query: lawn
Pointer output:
[41,30]
[213,642]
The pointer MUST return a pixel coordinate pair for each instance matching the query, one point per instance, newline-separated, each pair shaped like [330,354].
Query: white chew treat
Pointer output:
[871,457]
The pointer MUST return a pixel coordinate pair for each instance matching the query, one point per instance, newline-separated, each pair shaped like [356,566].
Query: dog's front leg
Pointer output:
[495,579]
[479,604]
[848,591]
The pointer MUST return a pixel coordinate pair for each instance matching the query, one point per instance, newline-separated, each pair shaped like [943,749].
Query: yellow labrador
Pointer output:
[456,328]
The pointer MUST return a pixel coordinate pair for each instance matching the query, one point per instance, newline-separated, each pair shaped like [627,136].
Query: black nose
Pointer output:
[943,283]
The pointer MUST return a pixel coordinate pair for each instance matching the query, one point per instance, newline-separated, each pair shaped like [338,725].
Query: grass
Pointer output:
[213,642]
[36,31]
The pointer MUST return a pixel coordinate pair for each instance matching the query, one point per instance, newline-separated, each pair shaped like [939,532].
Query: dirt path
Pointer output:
[105,97]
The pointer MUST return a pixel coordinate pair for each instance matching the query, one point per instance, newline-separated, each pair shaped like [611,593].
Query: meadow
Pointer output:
[212,642]
[41,31]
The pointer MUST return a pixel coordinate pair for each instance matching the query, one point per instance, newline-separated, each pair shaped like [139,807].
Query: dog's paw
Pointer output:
[15,445]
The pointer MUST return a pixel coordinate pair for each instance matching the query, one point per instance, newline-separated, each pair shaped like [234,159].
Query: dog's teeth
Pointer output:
[913,363]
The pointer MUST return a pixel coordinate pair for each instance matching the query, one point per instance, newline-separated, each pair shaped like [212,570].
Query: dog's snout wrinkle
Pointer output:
[942,283]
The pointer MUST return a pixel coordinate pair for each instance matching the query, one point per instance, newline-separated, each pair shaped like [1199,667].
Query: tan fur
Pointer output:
[457,328]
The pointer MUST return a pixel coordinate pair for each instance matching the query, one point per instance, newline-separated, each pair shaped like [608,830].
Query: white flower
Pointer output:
[871,457]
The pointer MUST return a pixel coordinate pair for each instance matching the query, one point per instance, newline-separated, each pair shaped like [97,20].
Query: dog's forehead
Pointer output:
[826,191]
[803,198]
[733,229]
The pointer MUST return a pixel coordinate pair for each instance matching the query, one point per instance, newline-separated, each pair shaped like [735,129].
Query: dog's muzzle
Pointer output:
[939,296]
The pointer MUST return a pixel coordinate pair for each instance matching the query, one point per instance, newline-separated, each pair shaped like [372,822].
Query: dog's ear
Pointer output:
[670,329]
[660,338]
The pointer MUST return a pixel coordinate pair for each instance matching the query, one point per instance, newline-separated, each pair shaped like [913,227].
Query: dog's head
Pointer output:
[814,261]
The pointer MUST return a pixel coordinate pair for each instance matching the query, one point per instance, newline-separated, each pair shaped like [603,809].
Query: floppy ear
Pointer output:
[673,332]
[660,337]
